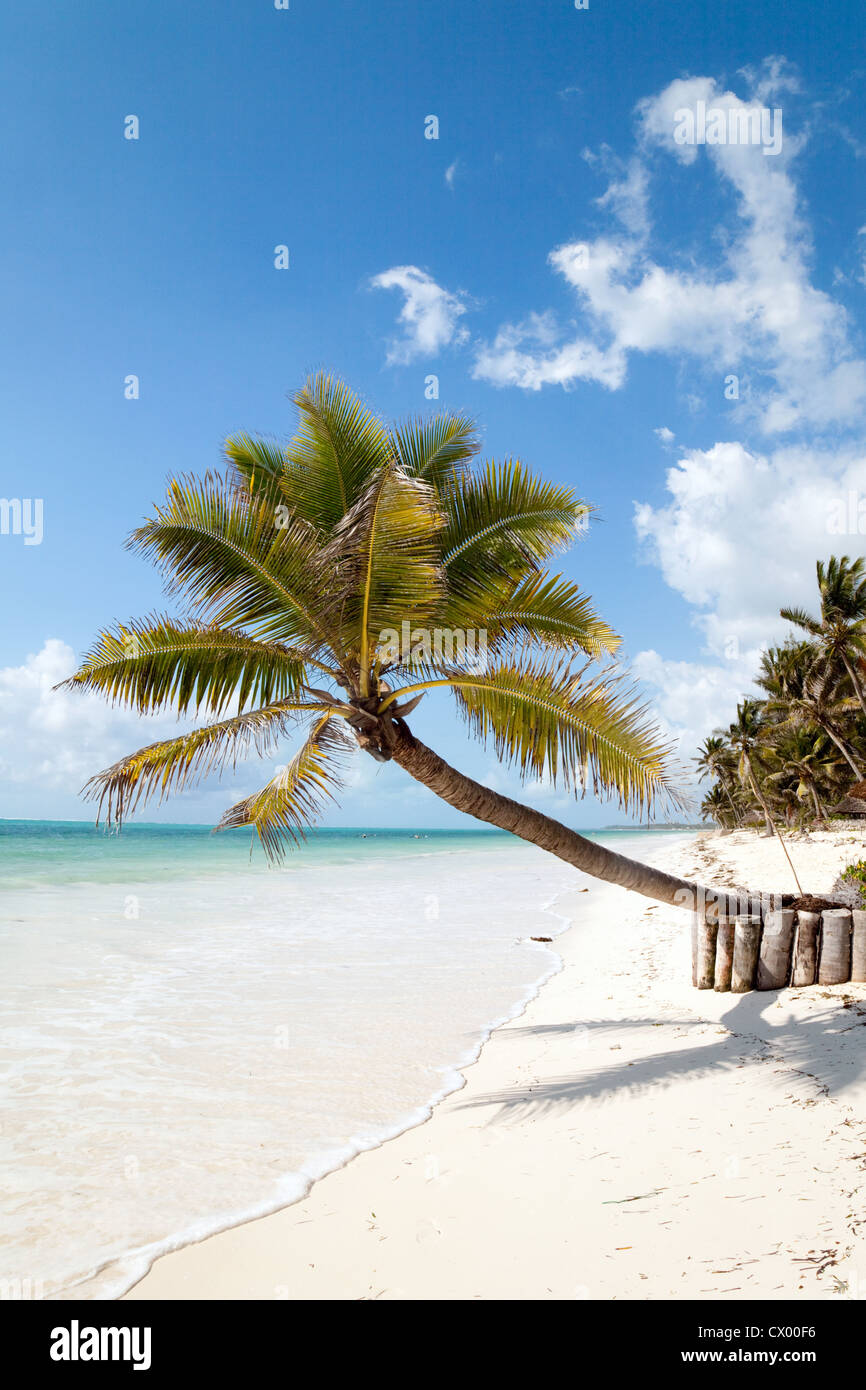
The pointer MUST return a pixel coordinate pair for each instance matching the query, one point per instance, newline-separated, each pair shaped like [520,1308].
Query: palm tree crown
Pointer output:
[299,571]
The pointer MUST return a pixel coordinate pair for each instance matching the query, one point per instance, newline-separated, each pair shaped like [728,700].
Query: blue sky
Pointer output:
[605,367]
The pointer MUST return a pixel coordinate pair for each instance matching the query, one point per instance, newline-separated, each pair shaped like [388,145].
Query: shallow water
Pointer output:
[190,1038]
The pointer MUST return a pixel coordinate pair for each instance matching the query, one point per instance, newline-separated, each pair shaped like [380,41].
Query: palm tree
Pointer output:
[804,689]
[715,759]
[807,764]
[746,735]
[840,632]
[302,567]
[715,806]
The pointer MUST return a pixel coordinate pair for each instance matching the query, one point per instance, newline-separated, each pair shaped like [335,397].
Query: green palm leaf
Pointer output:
[551,610]
[437,450]
[256,466]
[505,521]
[384,563]
[337,450]
[543,716]
[235,563]
[157,663]
[170,765]
[298,793]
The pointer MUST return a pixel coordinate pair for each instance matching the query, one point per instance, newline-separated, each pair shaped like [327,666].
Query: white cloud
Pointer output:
[451,173]
[690,699]
[756,311]
[57,739]
[430,314]
[665,435]
[738,540]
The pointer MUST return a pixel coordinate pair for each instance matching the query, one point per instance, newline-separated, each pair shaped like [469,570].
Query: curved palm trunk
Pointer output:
[738,820]
[819,810]
[858,771]
[470,797]
[857,687]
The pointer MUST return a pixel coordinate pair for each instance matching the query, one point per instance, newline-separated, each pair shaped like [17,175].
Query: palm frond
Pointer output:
[338,448]
[544,718]
[383,562]
[298,793]
[504,522]
[158,663]
[435,449]
[552,610]
[234,562]
[256,466]
[801,618]
[172,764]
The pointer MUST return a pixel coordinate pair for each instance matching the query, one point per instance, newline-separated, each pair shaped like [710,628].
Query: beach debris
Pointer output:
[541,938]
[619,1201]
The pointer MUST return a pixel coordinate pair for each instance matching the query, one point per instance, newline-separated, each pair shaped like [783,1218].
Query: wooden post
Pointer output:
[694,950]
[747,939]
[805,967]
[858,945]
[834,966]
[707,932]
[724,954]
[774,961]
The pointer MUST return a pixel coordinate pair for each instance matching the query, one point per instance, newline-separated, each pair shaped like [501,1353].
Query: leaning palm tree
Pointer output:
[332,584]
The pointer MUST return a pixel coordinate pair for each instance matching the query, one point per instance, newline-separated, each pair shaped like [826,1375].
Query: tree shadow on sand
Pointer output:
[828,1044]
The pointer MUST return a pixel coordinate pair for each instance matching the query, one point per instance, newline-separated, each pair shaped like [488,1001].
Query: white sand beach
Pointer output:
[626,1137]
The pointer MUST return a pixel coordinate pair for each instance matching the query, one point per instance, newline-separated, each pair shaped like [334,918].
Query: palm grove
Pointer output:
[290,567]
[795,753]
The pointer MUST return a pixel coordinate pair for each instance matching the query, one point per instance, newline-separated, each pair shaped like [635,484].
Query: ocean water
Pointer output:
[190,1038]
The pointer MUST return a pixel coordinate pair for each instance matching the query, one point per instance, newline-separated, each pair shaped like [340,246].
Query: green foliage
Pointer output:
[794,754]
[855,876]
[291,568]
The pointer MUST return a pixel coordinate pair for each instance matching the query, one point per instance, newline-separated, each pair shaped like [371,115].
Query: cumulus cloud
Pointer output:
[750,308]
[739,539]
[430,316]
[57,739]
[690,699]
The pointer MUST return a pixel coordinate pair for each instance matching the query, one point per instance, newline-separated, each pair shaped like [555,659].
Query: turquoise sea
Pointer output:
[190,1037]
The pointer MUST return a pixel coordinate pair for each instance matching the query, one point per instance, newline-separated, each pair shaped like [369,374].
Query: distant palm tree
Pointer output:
[840,632]
[804,761]
[715,806]
[299,569]
[803,689]
[714,760]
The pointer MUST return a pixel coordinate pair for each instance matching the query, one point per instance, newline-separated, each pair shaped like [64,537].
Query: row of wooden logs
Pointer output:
[783,948]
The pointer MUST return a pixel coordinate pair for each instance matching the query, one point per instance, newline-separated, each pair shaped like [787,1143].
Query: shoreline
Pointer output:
[454,1080]
[624,1136]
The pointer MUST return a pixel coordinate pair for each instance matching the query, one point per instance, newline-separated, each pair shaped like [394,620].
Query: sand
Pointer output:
[627,1137]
